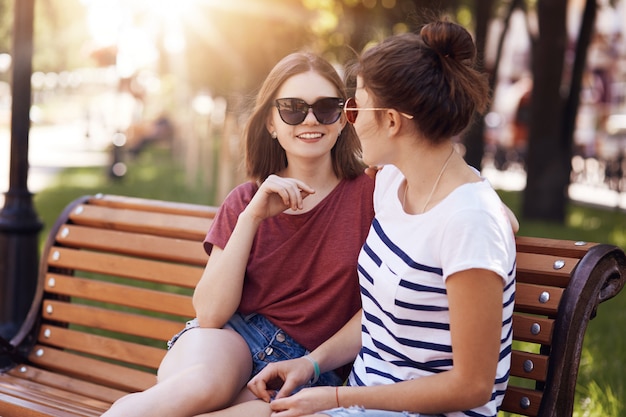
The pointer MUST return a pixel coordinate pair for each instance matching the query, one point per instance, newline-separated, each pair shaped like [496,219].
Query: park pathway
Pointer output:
[55,147]
[51,149]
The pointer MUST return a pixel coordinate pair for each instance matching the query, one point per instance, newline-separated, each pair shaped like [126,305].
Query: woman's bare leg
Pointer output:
[205,370]
[254,408]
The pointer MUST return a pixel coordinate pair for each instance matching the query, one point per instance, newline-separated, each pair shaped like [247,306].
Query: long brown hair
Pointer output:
[264,155]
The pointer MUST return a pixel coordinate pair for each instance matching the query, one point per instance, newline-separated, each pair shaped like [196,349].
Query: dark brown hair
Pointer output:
[430,75]
[264,155]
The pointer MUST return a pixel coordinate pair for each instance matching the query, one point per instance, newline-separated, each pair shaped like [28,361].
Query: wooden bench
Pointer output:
[117,274]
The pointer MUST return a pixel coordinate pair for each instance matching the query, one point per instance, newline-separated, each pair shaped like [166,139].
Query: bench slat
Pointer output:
[56,380]
[107,319]
[107,374]
[534,268]
[537,299]
[533,329]
[159,224]
[61,400]
[12,404]
[123,295]
[142,245]
[513,400]
[125,266]
[101,346]
[158,206]
[554,247]
[529,365]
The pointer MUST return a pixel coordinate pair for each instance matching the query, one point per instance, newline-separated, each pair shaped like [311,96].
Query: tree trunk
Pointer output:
[548,162]
[582,45]
[474,137]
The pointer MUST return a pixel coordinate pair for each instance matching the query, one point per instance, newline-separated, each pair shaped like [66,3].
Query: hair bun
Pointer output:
[449,40]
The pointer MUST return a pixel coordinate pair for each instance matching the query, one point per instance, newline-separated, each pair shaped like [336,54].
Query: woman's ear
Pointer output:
[393,120]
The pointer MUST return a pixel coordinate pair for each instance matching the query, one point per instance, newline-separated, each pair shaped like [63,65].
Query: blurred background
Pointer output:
[149,97]
[127,74]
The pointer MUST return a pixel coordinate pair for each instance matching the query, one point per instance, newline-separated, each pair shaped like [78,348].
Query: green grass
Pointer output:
[152,175]
[582,223]
[601,381]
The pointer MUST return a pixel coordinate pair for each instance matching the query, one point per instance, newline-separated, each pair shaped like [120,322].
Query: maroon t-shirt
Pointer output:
[302,270]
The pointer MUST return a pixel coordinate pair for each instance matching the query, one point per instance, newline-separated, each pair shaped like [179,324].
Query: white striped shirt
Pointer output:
[403,267]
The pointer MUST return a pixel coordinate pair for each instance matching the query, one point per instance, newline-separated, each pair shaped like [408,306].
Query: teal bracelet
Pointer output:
[316,368]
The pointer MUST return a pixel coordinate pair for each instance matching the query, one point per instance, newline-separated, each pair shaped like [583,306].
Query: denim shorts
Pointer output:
[361,412]
[267,343]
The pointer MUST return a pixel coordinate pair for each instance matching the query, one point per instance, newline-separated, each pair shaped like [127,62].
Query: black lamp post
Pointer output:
[19,224]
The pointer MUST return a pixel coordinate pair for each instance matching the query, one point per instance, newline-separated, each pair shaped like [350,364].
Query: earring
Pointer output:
[274,135]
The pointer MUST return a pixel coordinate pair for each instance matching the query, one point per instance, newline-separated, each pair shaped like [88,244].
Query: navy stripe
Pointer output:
[504,379]
[405,362]
[512,271]
[370,352]
[498,393]
[367,249]
[420,307]
[374,320]
[400,253]
[431,366]
[363,272]
[406,322]
[471,413]
[425,324]
[424,345]
[510,301]
[365,293]
[419,287]
[506,352]
[409,342]
[383,374]
[358,380]
[391,351]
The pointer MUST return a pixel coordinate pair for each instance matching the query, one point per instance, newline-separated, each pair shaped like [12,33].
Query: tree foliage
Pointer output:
[60,34]
[60,26]
[6,25]
[230,47]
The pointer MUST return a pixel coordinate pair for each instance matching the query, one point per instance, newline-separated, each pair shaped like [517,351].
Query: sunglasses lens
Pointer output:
[292,110]
[351,110]
[327,110]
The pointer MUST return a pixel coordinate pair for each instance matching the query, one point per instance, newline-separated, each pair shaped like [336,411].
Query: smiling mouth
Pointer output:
[310,136]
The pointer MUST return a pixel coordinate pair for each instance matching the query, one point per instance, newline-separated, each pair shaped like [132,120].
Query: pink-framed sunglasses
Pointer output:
[352,111]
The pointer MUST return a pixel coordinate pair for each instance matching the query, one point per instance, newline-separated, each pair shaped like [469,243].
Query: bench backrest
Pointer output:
[117,274]
[115,282]
[559,287]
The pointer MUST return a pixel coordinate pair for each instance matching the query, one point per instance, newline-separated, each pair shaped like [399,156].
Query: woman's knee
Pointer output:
[216,351]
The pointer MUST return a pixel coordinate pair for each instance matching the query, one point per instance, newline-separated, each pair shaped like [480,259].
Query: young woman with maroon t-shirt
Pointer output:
[282,275]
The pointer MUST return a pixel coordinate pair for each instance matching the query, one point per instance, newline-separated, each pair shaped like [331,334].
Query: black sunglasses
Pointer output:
[352,111]
[293,111]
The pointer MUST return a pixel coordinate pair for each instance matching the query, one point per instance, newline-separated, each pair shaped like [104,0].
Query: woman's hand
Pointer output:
[305,402]
[280,379]
[277,194]
[372,170]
